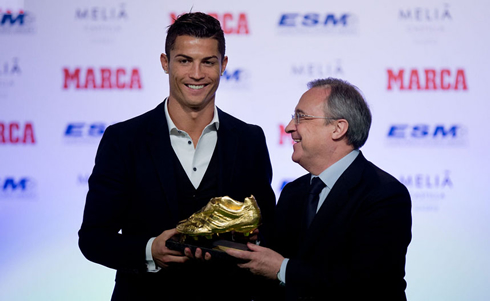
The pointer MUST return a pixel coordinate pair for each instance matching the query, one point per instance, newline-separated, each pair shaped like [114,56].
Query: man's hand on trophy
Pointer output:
[163,255]
[197,255]
[260,261]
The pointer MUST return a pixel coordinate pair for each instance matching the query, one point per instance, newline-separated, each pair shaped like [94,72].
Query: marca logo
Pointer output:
[102,13]
[426,14]
[318,69]
[103,78]
[232,23]
[17,187]
[318,23]
[427,135]
[426,79]
[79,132]
[16,133]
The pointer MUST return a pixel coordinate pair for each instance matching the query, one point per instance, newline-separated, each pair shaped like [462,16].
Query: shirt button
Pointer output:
[194,169]
[189,142]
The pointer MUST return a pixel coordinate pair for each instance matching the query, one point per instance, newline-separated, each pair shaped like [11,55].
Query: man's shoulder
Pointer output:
[144,121]
[233,122]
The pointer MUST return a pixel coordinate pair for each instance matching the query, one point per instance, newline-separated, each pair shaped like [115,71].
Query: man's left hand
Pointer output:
[260,261]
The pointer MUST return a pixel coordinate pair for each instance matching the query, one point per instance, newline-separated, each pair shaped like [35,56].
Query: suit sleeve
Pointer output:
[107,200]
[262,186]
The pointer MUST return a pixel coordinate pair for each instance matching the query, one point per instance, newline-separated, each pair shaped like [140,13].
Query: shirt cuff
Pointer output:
[282,271]
[151,266]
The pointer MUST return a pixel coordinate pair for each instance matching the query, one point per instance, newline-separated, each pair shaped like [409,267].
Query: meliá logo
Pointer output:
[426,79]
[102,78]
[16,133]
[445,135]
[102,13]
[17,187]
[426,14]
[84,132]
[12,22]
[427,189]
[318,69]
[342,23]
[232,23]
[8,70]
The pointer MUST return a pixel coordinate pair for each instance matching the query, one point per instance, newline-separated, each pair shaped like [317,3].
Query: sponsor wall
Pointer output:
[68,69]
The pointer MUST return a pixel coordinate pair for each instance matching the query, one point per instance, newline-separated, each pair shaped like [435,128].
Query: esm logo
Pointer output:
[317,23]
[427,134]
[85,130]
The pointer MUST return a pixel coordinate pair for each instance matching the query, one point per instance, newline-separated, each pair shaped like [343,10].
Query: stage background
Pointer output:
[422,66]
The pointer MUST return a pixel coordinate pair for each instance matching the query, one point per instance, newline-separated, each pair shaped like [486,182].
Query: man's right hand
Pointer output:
[163,255]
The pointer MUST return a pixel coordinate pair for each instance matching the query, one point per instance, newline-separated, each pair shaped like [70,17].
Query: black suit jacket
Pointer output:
[132,189]
[356,245]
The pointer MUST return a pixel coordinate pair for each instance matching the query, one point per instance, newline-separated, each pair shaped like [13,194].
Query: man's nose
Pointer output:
[196,72]
[291,127]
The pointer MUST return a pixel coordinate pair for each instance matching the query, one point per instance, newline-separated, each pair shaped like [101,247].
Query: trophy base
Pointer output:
[214,247]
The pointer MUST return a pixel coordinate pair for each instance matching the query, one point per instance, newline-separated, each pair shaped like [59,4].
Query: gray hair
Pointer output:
[346,102]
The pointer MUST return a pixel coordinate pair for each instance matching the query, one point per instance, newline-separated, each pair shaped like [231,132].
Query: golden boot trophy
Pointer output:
[222,215]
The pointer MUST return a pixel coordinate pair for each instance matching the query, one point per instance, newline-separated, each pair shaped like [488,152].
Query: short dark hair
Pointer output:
[199,25]
[346,102]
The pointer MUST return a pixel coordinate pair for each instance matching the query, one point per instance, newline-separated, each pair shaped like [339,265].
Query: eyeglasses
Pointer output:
[300,116]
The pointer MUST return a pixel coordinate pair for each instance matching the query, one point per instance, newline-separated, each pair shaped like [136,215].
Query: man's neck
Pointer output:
[192,121]
[331,159]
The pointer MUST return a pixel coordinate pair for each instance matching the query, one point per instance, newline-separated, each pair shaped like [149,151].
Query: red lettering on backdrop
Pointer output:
[15,134]
[430,79]
[433,78]
[108,79]
[135,79]
[120,72]
[75,76]
[228,23]
[460,79]
[13,137]
[283,136]
[396,79]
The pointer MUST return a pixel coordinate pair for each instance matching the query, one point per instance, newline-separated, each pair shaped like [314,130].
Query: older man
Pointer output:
[343,229]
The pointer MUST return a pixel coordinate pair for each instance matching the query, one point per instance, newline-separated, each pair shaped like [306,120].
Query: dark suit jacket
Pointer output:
[356,245]
[132,189]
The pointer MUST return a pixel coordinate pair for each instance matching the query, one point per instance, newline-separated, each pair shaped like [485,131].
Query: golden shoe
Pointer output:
[220,215]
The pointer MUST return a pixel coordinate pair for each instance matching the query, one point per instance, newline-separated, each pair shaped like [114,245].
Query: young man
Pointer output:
[342,229]
[158,168]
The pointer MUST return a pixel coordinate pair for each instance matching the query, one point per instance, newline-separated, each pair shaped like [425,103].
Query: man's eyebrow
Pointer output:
[191,58]
[299,111]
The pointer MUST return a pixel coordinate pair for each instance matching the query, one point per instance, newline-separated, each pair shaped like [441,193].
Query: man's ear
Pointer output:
[164,61]
[340,129]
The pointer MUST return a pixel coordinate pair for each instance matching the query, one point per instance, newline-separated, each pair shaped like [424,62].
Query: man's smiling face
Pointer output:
[194,67]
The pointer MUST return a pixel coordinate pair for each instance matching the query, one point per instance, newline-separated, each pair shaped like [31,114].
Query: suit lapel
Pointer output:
[158,143]
[227,147]
[336,200]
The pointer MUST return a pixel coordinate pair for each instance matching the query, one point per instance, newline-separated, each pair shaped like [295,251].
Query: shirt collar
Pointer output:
[330,175]
[213,125]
